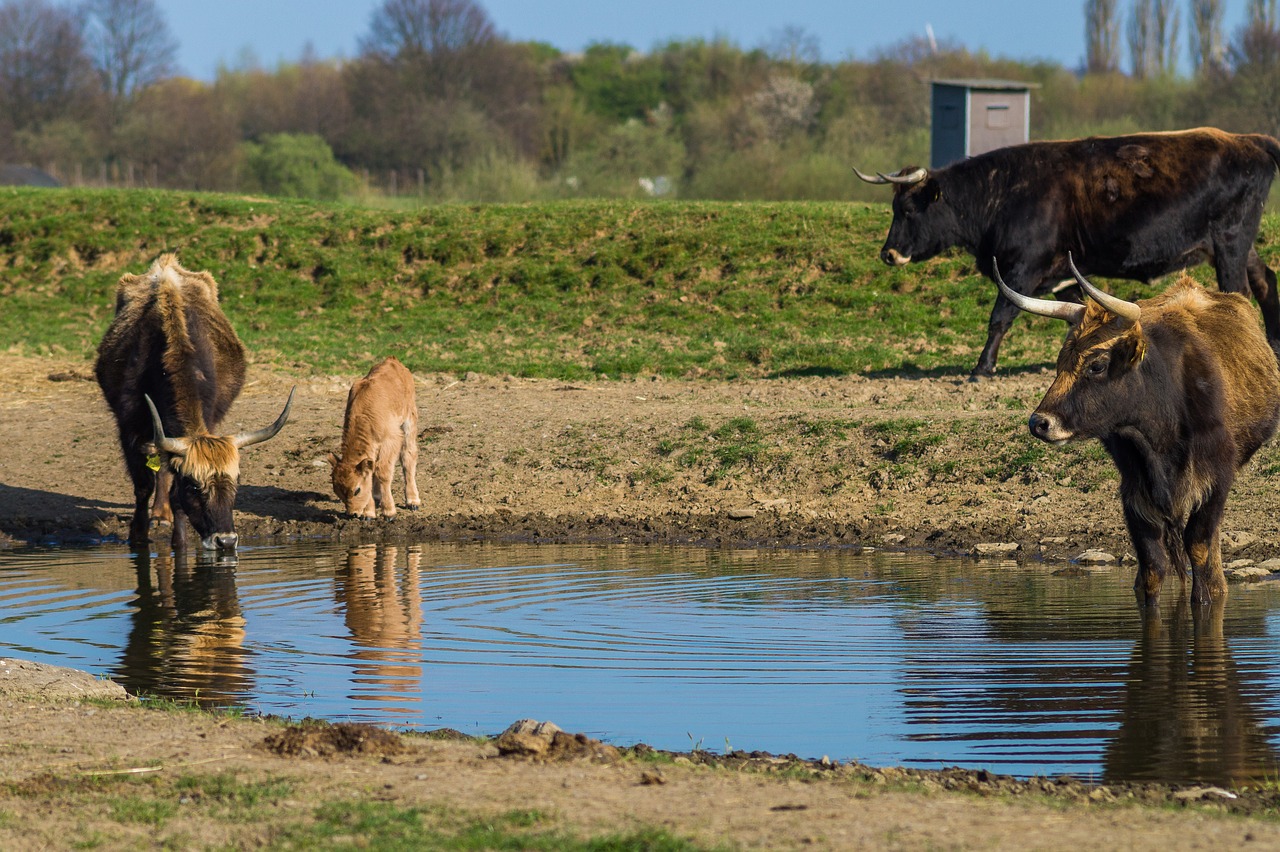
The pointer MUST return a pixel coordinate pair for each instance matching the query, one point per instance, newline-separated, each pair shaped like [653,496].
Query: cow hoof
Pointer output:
[413,507]
[161,522]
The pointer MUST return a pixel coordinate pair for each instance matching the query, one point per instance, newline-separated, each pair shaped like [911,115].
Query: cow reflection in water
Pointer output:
[187,639]
[383,610]
[1172,704]
[1186,715]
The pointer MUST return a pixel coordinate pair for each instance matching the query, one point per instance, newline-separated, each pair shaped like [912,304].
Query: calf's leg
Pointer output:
[409,462]
[383,471]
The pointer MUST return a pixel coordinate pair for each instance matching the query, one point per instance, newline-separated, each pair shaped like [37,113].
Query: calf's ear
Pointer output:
[365,466]
[333,460]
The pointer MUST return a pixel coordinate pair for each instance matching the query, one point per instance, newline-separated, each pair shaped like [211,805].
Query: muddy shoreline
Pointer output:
[934,464]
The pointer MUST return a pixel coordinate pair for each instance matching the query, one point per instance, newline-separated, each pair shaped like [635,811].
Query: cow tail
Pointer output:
[1272,147]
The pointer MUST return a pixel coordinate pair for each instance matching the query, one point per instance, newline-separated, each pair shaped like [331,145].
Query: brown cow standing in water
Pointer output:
[381,424]
[169,366]
[1181,389]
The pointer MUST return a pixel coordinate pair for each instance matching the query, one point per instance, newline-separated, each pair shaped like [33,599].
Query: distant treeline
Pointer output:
[438,106]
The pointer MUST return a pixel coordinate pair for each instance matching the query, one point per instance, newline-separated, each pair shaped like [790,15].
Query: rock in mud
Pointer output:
[545,740]
[995,548]
[27,678]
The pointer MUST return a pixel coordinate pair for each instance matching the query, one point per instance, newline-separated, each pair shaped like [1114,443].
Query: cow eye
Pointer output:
[357,491]
[1098,367]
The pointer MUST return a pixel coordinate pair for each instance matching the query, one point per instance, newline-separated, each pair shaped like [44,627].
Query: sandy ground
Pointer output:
[541,460]
[545,460]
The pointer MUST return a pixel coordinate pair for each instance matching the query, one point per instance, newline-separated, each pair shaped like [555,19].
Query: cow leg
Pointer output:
[1203,544]
[179,538]
[383,470]
[161,514]
[144,481]
[1002,314]
[1150,542]
[1262,282]
[409,462]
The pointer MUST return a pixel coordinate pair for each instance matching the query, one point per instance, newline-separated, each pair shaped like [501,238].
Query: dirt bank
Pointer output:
[936,463]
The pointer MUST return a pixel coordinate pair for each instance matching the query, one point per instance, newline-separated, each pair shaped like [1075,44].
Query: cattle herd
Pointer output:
[1181,389]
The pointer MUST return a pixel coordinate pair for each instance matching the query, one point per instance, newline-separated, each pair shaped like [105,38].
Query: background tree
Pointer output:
[45,72]
[1166,21]
[1261,13]
[1141,38]
[436,90]
[1102,36]
[130,43]
[1248,98]
[1208,50]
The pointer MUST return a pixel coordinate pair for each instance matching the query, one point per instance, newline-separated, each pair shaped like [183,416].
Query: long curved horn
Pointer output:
[879,178]
[910,177]
[244,439]
[172,446]
[1069,311]
[1127,311]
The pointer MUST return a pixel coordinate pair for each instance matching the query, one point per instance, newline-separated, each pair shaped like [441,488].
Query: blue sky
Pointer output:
[213,32]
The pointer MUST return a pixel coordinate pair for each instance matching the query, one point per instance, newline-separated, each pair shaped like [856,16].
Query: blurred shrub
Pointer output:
[297,166]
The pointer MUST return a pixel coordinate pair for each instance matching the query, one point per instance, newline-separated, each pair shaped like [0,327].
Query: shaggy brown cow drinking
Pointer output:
[1181,389]
[380,425]
[169,366]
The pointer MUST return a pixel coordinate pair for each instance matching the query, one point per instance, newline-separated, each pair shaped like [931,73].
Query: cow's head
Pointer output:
[206,471]
[1095,388]
[924,225]
[353,483]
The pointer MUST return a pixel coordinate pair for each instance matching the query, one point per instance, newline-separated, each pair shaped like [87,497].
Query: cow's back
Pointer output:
[1236,347]
[1122,181]
[171,341]
[381,400]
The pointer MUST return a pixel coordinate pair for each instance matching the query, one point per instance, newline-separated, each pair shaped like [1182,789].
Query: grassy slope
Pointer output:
[566,290]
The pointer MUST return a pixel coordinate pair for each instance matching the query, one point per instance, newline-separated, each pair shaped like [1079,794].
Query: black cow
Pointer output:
[169,366]
[1181,389]
[1134,207]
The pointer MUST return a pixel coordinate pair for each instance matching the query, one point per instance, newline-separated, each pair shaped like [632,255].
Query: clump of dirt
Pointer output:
[310,738]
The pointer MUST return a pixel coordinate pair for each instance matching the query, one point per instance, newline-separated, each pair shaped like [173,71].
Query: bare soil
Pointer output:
[545,460]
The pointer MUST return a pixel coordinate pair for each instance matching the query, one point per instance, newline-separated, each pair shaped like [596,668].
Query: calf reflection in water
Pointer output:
[382,608]
[1185,715]
[187,639]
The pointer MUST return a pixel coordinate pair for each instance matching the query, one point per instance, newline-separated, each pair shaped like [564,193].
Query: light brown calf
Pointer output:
[381,423]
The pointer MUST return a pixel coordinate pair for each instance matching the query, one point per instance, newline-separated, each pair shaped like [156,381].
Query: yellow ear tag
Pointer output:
[153,461]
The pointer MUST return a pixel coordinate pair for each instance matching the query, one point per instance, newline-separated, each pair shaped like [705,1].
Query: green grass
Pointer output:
[569,290]
[376,825]
[271,813]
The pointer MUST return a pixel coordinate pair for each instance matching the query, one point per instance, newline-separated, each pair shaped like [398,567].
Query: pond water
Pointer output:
[889,659]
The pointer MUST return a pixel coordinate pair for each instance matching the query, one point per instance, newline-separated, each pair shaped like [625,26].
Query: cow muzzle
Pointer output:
[893,257]
[222,542]
[1047,427]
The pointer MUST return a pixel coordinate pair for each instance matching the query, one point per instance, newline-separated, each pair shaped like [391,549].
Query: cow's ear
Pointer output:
[334,460]
[932,191]
[1129,350]
[365,466]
